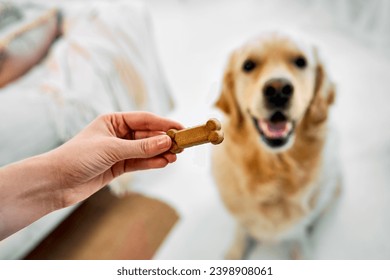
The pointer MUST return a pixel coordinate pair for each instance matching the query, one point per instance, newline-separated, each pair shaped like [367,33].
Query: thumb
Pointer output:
[144,148]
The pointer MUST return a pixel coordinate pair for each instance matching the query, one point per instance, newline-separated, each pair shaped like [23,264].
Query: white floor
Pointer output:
[194,39]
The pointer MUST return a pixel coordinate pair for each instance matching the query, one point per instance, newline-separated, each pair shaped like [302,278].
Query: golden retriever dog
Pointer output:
[276,170]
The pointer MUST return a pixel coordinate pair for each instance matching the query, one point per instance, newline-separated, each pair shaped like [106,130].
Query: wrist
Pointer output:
[29,190]
[51,180]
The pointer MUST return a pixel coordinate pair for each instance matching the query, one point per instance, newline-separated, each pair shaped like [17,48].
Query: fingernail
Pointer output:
[164,142]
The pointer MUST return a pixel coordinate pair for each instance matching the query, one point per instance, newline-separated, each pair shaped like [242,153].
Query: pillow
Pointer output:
[26,33]
[8,14]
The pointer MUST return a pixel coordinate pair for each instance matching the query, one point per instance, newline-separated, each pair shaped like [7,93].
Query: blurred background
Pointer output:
[178,50]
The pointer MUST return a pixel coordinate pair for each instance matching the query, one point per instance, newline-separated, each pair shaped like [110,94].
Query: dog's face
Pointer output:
[272,81]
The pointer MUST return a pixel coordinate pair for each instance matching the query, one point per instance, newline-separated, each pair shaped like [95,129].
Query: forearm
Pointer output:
[29,190]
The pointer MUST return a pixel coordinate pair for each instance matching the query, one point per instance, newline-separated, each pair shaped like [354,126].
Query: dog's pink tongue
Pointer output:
[274,130]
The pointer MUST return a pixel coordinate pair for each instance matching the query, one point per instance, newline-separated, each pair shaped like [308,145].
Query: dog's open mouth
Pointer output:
[276,130]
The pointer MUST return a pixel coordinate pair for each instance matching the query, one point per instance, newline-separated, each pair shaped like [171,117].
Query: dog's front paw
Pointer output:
[300,250]
[234,254]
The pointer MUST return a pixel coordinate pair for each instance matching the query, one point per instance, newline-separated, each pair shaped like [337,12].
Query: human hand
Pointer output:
[110,146]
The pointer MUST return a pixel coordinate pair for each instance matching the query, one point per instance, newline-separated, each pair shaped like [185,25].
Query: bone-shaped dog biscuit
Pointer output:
[207,133]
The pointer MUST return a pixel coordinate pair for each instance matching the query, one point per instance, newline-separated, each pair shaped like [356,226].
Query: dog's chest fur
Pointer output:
[273,195]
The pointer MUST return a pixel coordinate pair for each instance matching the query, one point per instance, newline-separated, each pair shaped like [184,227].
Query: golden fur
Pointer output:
[271,192]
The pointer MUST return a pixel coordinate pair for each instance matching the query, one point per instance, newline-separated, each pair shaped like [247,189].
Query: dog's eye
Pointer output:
[248,65]
[300,62]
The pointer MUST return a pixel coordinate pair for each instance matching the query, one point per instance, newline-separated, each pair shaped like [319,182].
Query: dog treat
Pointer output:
[209,132]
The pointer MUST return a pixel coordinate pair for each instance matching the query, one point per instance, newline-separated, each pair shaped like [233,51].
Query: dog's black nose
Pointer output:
[277,93]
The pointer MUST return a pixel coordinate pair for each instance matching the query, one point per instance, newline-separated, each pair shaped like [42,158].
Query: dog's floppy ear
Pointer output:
[324,87]
[227,100]
[324,94]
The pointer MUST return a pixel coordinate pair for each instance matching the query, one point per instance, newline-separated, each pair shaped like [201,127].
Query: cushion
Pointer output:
[26,33]
[8,14]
